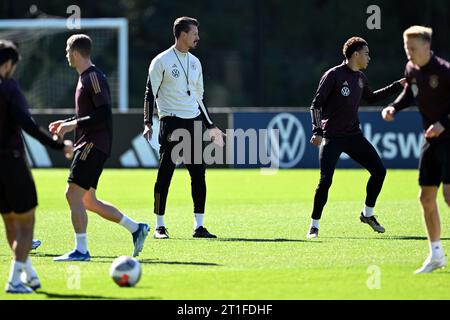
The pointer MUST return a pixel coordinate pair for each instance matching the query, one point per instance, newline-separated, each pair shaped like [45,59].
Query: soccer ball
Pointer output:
[125,271]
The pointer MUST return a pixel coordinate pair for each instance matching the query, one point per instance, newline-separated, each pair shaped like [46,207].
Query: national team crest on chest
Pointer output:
[434,81]
[193,66]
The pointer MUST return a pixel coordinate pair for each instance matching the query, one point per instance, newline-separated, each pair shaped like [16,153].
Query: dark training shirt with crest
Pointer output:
[93,93]
[334,110]
[429,87]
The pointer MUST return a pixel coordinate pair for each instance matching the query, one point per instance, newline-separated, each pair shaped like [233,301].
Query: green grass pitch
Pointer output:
[261,252]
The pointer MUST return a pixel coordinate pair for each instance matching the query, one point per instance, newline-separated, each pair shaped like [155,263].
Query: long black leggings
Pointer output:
[360,150]
[167,164]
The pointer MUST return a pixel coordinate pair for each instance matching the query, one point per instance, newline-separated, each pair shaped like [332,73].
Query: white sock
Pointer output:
[29,270]
[368,212]
[436,250]
[198,221]
[315,223]
[129,224]
[16,270]
[159,221]
[81,242]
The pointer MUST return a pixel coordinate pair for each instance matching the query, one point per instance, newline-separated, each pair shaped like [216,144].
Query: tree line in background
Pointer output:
[260,53]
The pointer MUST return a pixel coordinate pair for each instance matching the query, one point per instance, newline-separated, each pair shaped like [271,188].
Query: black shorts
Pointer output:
[17,189]
[87,166]
[434,165]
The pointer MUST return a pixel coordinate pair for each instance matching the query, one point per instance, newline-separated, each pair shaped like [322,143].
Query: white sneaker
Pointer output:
[32,283]
[431,264]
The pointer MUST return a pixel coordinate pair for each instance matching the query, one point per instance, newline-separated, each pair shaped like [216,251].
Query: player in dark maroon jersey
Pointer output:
[18,199]
[336,128]
[93,139]
[428,85]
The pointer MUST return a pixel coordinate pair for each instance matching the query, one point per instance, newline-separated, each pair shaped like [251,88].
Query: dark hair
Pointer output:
[81,43]
[183,24]
[353,45]
[8,51]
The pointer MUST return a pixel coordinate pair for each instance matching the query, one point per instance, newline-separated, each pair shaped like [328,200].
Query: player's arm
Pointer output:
[20,111]
[374,96]
[214,132]
[154,81]
[98,88]
[321,97]
[403,101]
[204,111]
[436,129]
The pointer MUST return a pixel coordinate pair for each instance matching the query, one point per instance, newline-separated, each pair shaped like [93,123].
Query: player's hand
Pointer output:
[148,132]
[216,136]
[435,130]
[65,128]
[403,82]
[388,113]
[68,149]
[53,127]
[316,140]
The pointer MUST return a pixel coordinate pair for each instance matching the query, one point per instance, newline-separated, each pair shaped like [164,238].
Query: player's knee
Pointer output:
[72,195]
[90,203]
[426,199]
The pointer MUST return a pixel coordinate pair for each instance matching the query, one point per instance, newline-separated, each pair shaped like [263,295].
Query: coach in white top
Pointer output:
[175,88]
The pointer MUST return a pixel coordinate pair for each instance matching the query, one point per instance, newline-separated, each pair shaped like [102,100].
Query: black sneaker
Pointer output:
[313,233]
[161,233]
[201,232]
[372,221]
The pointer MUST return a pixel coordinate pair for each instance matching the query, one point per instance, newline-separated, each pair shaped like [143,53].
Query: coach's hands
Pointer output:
[216,136]
[388,113]
[316,140]
[403,82]
[148,132]
[435,130]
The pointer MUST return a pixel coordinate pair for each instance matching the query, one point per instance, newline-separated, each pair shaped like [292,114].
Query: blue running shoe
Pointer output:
[19,288]
[35,244]
[74,255]
[139,237]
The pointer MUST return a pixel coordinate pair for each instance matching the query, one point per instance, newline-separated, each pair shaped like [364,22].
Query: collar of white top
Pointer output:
[183,54]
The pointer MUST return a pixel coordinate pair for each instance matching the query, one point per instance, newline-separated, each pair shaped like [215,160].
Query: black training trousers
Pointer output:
[192,156]
[360,150]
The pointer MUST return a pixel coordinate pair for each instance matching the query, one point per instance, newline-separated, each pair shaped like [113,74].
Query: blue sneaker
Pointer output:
[19,288]
[74,255]
[139,237]
[35,244]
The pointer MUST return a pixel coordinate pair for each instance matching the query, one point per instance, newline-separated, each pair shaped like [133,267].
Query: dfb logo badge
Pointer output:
[292,139]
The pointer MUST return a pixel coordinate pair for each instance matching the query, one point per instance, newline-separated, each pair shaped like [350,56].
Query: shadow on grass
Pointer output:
[261,240]
[206,264]
[413,238]
[109,259]
[51,295]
